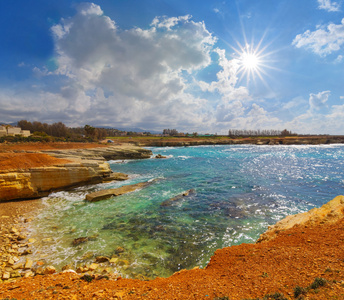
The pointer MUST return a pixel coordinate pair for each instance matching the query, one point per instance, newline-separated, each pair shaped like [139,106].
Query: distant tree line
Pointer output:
[60,132]
[265,132]
[170,132]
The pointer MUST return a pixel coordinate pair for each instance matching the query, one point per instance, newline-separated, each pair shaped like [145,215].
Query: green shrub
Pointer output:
[299,291]
[318,282]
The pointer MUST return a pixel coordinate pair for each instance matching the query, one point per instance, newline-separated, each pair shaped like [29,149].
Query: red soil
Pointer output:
[47,146]
[295,258]
[9,161]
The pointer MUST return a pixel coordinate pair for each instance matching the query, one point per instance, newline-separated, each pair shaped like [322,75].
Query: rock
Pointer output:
[66,267]
[28,264]
[13,230]
[6,275]
[49,270]
[101,259]
[105,194]
[39,271]
[26,252]
[116,177]
[328,213]
[84,166]
[29,274]
[17,266]
[21,237]
[15,274]
[93,267]
[107,270]
[160,156]
[175,199]
[119,250]
[79,241]
[114,260]
[31,241]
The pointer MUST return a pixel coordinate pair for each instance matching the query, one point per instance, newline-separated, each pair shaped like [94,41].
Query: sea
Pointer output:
[235,193]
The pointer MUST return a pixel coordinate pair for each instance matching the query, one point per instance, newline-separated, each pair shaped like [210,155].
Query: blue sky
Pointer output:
[203,66]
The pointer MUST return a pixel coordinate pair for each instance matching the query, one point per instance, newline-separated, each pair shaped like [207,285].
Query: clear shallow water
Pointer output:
[239,191]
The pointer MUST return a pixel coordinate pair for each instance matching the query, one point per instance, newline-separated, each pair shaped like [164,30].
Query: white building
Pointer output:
[13,131]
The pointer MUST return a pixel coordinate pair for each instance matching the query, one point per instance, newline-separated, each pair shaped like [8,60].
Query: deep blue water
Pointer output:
[238,192]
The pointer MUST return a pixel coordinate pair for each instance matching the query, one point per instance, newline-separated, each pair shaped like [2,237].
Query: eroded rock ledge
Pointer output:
[73,168]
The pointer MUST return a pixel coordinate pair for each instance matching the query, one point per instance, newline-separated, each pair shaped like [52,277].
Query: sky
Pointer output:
[196,65]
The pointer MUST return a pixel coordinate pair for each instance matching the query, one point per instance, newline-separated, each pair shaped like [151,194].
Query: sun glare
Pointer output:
[249,61]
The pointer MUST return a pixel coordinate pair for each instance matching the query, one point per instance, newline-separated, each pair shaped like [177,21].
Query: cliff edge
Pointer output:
[36,174]
[330,212]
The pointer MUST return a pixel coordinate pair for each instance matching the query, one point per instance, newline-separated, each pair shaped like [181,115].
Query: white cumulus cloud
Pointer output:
[322,41]
[328,5]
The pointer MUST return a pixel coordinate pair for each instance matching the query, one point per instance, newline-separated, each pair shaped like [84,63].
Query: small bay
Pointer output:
[237,192]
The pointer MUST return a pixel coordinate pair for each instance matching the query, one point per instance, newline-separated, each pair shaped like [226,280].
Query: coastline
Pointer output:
[295,256]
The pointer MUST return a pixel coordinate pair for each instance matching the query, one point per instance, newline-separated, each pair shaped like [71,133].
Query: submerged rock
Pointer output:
[79,241]
[101,259]
[173,200]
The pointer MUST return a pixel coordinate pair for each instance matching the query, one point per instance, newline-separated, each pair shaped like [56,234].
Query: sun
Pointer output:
[249,61]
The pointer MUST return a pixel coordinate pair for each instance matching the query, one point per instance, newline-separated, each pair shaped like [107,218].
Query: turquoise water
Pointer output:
[238,192]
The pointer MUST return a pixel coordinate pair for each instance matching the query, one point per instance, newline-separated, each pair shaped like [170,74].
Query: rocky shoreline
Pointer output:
[71,168]
[293,253]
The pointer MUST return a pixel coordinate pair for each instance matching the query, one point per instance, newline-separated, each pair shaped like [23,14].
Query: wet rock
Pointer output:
[66,267]
[171,201]
[114,260]
[101,259]
[93,267]
[160,156]
[106,194]
[119,250]
[79,241]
